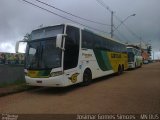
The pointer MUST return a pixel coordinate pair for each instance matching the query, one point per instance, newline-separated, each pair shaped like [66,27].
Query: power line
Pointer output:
[129,30]
[120,38]
[122,35]
[63,16]
[104,5]
[111,11]
[71,13]
[121,22]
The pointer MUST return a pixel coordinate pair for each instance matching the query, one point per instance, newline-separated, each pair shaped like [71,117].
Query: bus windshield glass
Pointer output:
[130,50]
[47,32]
[41,52]
[130,54]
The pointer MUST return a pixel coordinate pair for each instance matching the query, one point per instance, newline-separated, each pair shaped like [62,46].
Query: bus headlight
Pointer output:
[53,74]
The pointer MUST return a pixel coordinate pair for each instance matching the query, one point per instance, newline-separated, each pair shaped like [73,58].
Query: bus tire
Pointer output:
[87,77]
[135,66]
[119,70]
[141,65]
[122,69]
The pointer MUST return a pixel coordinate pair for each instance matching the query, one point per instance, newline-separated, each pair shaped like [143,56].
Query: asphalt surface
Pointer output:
[135,91]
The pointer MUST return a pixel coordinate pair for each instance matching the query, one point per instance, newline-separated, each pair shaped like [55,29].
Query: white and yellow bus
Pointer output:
[67,54]
[135,59]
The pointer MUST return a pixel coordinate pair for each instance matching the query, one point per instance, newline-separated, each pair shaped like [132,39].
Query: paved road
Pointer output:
[136,91]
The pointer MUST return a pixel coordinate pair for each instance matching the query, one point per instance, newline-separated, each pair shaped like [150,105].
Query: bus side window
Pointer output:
[87,40]
[97,42]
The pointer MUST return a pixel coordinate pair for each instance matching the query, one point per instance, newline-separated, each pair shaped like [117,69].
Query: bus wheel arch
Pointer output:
[87,77]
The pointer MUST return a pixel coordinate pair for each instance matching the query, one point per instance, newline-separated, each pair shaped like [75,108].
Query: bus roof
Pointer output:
[83,28]
[133,46]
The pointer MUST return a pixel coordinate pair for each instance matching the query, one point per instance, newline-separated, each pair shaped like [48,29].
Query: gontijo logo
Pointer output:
[73,78]
[87,55]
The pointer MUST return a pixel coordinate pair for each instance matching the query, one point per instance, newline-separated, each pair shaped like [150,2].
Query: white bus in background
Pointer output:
[67,54]
[134,57]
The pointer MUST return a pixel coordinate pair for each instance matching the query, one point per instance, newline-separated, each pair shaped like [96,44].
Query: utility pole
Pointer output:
[122,22]
[112,25]
[141,43]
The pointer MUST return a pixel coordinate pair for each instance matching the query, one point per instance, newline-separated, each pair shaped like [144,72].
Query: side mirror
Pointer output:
[59,40]
[20,47]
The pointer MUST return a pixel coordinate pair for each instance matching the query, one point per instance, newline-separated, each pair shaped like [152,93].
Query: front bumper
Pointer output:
[57,81]
[131,65]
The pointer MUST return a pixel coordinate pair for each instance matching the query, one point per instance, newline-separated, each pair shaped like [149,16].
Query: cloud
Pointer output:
[7,47]
[18,18]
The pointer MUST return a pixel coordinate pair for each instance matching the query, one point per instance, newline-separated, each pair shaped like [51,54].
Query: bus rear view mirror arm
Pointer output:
[59,41]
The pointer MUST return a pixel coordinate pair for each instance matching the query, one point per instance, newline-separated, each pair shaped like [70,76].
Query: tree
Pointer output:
[27,37]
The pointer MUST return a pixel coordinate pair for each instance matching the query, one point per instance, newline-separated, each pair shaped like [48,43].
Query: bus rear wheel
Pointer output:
[122,68]
[87,77]
[140,65]
[135,66]
[119,70]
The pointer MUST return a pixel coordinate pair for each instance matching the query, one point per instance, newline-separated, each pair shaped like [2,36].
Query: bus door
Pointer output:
[71,55]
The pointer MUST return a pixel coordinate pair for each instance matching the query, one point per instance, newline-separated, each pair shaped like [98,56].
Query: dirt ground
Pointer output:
[135,91]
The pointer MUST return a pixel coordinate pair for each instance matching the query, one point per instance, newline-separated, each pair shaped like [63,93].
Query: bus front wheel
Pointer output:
[87,77]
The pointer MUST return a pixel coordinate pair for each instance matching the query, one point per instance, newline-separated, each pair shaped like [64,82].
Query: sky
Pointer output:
[18,18]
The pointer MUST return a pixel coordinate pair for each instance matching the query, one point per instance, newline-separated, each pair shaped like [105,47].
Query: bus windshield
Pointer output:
[43,54]
[130,54]
[130,50]
[47,32]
